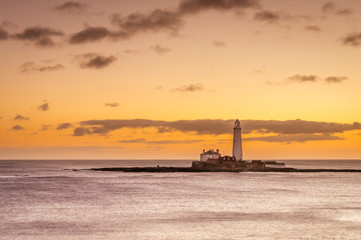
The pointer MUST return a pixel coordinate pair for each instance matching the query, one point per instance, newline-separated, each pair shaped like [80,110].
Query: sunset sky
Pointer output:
[164,79]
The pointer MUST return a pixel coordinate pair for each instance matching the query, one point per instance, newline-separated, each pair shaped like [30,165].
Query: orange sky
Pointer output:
[76,78]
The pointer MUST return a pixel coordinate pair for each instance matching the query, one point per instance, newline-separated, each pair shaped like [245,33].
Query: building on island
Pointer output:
[210,154]
[213,161]
[237,147]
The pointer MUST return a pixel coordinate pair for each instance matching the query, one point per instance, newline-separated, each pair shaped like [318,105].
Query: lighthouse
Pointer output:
[237,141]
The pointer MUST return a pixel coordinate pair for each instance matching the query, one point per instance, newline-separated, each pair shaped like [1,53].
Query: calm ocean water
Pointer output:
[41,200]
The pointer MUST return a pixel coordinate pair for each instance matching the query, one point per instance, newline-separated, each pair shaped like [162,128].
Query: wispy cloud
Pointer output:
[156,20]
[335,79]
[44,107]
[62,126]
[114,104]
[40,36]
[196,6]
[17,128]
[219,44]
[93,34]
[71,7]
[45,127]
[159,49]
[303,78]
[345,11]
[331,8]
[289,138]
[313,78]
[313,28]
[267,16]
[156,142]
[189,88]
[328,7]
[94,60]
[7,25]
[20,117]
[352,39]
[33,67]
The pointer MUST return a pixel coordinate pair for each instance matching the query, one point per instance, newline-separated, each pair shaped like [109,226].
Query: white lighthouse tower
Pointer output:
[237,141]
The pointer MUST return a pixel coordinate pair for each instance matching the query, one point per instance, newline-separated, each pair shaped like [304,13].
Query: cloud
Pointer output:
[45,127]
[328,7]
[301,138]
[3,34]
[132,51]
[217,126]
[143,140]
[62,126]
[156,20]
[196,6]
[32,67]
[159,49]
[138,140]
[303,78]
[267,16]
[219,44]
[96,61]
[40,36]
[130,25]
[314,78]
[71,7]
[114,104]
[20,117]
[44,107]
[6,25]
[345,11]
[189,88]
[17,128]
[313,28]
[335,79]
[353,39]
[80,131]
[93,34]
[174,141]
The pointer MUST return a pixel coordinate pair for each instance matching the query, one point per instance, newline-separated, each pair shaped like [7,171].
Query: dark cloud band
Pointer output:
[217,127]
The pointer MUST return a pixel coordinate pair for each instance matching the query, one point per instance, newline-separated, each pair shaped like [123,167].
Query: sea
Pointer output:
[46,199]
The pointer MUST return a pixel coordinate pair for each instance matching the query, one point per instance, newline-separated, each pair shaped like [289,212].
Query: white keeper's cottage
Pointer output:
[210,154]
